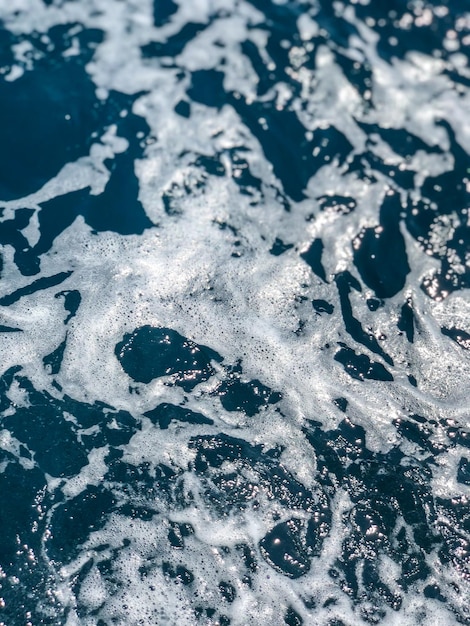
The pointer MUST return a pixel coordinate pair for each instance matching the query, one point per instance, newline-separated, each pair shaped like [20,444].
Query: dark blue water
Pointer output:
[234,326]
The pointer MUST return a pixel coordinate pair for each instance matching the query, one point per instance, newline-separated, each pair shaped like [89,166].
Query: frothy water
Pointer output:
[234,312]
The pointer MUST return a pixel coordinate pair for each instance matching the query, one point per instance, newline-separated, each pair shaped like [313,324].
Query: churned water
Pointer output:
[234,312]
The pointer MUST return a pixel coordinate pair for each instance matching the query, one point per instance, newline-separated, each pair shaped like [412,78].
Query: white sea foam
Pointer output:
[182,275]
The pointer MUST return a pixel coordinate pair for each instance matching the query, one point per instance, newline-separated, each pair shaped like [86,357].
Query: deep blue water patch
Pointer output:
[151,352]
[380,253]
[165,414]
[37,285]
[48,115]
[360,366]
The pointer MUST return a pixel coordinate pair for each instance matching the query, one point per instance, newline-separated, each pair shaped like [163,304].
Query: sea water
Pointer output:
[234,328]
